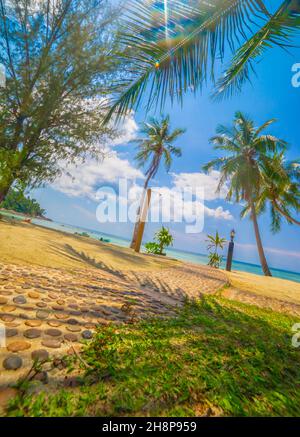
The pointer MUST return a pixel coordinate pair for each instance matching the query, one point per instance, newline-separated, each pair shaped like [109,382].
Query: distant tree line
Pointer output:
[17,201]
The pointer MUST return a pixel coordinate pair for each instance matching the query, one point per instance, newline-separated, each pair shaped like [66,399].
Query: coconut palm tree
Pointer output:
[171,47]
[155,146]
[248,151]
[281,189]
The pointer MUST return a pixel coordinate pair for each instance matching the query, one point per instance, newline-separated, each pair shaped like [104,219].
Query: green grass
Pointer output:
[217,357]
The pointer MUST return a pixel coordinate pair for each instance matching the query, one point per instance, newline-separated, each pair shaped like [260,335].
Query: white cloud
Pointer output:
[81,180]
[201,180]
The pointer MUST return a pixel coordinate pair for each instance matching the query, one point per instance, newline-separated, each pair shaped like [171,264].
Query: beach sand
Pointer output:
[55,288]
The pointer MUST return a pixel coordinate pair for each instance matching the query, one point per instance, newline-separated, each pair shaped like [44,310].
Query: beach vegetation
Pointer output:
[247,151]
[215,242]
[217,357]
[58,57]
[155,145]
[163,239]
[18,201]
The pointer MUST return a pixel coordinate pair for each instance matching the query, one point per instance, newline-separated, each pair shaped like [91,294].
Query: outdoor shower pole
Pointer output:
[230,251]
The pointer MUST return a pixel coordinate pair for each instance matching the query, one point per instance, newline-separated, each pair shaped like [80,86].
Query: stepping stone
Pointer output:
[54,324]
[60,302]
[8,308]
[61,316]
[75,313]
[72,322]
[17,346]
[32,333]
[71,337]
[33,323]
[52,343]
[74,328]
[90,325]
[41,305]
[53,332]
[3,301]
[40,355]
[87,335]
[20,300]
[11,332]
[33,295]
[12,362]
[7,318]
[42,314]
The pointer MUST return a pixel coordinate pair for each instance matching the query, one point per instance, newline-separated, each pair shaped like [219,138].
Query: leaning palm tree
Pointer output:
[248,151]
[155,146]
[170,47]
[280,188]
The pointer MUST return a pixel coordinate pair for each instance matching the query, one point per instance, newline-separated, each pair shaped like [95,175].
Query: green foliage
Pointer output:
[19,202]
[212,30]
[163,240]
[217,357]
[215,242]
[57,57]
[157,145]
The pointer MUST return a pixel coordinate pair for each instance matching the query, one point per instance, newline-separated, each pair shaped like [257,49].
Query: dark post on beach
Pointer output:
[230,251]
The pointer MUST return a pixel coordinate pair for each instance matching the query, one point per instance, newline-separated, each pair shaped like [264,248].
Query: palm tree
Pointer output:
[280,187]
[155,146]
[249,152]
[215,242]
[169,56]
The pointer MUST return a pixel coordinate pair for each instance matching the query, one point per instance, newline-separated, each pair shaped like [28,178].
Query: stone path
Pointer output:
[49,312]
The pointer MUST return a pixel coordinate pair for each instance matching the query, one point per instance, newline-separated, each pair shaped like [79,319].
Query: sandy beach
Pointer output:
[55,288]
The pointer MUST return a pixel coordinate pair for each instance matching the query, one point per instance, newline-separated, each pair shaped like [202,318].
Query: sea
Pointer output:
[172,253]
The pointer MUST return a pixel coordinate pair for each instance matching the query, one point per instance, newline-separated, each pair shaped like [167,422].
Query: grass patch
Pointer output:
[218,357]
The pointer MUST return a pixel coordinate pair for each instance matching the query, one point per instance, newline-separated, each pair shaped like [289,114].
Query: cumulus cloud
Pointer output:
[209,182]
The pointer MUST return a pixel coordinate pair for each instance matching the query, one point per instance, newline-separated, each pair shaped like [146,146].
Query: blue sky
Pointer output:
[271,94]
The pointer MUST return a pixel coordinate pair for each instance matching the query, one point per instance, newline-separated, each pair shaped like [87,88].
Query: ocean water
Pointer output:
[173,253]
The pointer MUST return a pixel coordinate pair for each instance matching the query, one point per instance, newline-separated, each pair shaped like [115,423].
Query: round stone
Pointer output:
[17,346]
[40,355]
[32,333]
[72,322]
[53,332]
[60,302]
[42,314]
[61,316]
[75,313]
[41,304]
[20,300]
[33,323]
[8,308]
[33,295]
[11,332]
[54,324]
[74,328]
[57,308]
[52,343]
[52,296]
[12,362]
[71,337]
[90,325]
[87,335]
[3,301]
[42,377]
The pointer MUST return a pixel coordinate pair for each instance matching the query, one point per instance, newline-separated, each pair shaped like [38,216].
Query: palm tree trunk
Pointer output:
[260,248]
[287,216]
[137,223]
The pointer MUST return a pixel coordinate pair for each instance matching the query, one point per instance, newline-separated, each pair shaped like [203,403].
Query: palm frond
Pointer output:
[173,67]
[279,30]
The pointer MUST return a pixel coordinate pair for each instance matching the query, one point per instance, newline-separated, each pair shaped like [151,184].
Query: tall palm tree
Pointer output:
[155,146]
[281,188]
[248,151]
[171,47]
